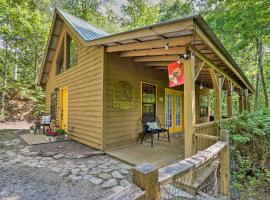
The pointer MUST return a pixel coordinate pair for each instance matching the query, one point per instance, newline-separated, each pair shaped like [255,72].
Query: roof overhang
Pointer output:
[147,45]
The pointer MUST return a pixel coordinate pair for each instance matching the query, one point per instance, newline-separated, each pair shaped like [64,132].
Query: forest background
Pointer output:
[243,26]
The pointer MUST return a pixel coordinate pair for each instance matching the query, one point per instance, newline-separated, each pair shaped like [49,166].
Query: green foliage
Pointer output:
[174,9]
[138,13]
[61,131]
[95,11]
[250,150]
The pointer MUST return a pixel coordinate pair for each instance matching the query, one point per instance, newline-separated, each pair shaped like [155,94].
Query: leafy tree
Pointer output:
[245,31]
[22,27]
[138,13]
[173,9]
[95,12]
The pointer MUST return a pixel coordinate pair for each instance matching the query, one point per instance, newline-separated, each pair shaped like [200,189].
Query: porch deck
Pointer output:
[162,154]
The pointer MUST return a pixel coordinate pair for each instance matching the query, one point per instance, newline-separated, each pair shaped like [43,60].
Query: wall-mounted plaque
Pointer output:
[123,95]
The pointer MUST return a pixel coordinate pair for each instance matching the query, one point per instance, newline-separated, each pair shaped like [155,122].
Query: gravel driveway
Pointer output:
[66,170]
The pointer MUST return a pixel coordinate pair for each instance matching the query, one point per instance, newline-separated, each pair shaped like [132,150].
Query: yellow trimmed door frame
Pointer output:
[63,111]
[174,110]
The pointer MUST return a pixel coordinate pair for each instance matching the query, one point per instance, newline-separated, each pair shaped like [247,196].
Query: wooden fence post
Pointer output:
[146,177]
[225,165]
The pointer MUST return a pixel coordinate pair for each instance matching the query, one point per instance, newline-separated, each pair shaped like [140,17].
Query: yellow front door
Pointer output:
[64,108]
[174,110]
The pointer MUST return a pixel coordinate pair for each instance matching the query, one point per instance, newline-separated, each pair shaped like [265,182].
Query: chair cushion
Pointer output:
[152,125]
[46,119]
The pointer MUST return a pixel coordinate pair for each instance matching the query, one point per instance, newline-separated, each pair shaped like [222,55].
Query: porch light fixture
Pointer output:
[201,86]
[184,56]
[166,46]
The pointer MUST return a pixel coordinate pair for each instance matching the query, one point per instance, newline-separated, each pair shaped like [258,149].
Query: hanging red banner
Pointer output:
[176,74]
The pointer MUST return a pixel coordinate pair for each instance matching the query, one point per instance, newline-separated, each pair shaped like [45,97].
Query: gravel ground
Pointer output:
[15,125]
[27,173]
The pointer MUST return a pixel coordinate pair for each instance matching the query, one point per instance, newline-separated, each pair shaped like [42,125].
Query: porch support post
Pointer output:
[229,99]
[245,101]
[225,165]
[240,101]
[248,103]
[217,85]
[189,104]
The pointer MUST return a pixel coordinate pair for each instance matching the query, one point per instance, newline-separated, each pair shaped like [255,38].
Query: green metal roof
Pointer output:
[85,30]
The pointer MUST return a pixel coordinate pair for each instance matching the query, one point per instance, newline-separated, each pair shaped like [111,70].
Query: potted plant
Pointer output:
[61,133]
[51,135]
[32,128]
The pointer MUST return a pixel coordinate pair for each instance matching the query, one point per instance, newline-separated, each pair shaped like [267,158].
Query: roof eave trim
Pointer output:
[199,21]
[46,50]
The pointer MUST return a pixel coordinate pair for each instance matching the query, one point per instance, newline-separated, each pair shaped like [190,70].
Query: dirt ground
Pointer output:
[26,173]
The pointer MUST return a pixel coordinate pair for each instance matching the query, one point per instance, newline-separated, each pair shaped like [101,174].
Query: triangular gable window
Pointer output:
[60,60]
[72,52]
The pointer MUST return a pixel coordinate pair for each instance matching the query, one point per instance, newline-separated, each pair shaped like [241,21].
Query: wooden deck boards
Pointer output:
[162,154]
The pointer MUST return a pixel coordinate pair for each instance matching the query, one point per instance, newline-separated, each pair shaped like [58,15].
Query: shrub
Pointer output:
[250,151]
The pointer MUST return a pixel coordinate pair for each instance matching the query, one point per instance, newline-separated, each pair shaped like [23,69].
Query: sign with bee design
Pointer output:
[123,95]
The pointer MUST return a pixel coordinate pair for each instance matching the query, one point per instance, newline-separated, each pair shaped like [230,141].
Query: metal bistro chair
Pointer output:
[45,121]
[152,127]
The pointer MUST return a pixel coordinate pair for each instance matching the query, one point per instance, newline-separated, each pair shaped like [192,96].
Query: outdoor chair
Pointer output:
[153,127]
[45,121]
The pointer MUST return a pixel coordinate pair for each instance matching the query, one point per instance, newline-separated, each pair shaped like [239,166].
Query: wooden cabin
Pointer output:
[99,85]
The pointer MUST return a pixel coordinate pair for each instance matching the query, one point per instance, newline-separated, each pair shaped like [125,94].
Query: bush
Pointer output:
[250,152]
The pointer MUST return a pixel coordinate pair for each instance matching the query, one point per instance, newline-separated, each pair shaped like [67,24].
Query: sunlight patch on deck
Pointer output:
[163,153]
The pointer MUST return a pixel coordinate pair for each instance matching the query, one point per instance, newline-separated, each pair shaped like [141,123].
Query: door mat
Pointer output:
[33,139]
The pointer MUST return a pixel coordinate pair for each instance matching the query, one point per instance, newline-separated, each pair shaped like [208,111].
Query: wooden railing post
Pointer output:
[225,165]
[240,101]
[229,100]
[146,177]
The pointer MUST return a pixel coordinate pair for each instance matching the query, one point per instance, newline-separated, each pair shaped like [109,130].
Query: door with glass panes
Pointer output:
[174,110]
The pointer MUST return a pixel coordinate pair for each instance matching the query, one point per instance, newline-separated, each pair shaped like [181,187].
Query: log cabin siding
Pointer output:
[85,88]
[123,126]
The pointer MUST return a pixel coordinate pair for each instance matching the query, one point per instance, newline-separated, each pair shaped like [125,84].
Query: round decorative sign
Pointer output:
[123,95]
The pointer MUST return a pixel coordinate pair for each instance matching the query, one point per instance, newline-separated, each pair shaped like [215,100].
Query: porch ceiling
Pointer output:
[150,50]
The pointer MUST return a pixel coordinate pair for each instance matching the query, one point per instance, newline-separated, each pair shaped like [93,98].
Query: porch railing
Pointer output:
[204,175]
[206,134]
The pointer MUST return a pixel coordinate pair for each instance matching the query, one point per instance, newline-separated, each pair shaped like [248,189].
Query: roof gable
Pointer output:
[82,29]
[85,30]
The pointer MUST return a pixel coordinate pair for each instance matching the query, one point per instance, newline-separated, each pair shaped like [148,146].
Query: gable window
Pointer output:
[72,52]
[60,60]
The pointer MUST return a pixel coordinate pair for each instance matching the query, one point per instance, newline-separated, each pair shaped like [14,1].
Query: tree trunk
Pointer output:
[36,62]
[257,92]
[260,70]
[15,68]
[5,83]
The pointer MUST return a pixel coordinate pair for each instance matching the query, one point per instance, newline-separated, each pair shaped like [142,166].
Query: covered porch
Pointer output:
[142,56]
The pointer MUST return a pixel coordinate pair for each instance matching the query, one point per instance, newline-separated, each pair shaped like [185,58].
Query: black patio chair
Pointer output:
[153,127]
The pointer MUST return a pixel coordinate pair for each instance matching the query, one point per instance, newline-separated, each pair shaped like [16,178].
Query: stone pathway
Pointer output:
[96,169]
